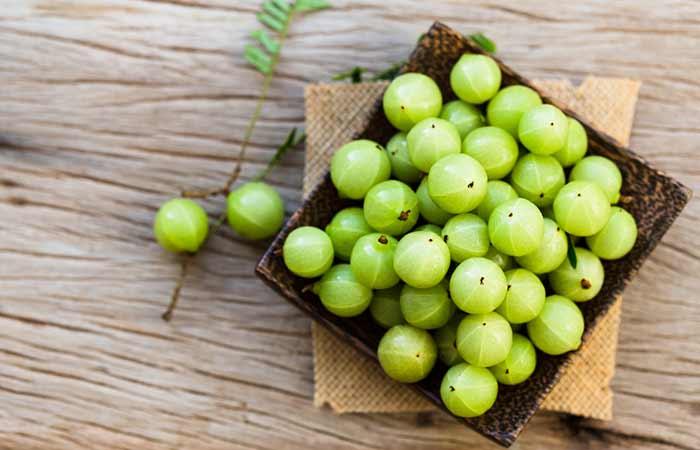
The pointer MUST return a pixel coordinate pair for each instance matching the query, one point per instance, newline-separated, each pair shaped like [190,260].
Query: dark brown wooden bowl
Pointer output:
[654,199]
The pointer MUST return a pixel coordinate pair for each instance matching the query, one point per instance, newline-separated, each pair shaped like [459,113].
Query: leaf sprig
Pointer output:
[356,74]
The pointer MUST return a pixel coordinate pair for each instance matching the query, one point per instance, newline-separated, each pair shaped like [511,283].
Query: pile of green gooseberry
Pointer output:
[459,247]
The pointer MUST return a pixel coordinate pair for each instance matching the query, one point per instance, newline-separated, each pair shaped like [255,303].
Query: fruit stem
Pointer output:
[267,81]
[184,268]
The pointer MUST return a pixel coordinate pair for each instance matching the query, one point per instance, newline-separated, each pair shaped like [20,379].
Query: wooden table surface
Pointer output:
[110,107]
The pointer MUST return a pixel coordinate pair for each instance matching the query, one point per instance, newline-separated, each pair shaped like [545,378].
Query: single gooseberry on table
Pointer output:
[357,166]
[372,261]
[391,207]
[468,391]
[255,210]
[341,292]
[406,353]
[430,140]
[181,225]
[308,252]
[558,328]
[345,228]
[410,98]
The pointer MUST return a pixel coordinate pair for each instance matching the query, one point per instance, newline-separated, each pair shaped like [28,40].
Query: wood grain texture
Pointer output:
[108,107]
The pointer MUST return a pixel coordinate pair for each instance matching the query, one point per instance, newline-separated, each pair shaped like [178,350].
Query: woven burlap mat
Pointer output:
[348,381]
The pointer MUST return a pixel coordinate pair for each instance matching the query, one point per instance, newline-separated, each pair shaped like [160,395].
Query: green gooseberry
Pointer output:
[519,364]
[429,227]
[466,235]
[601,171]
[342,293]
[255,210]
[558,328]
[516,227]
[385,307]
[401,167]
[391,207]
[507,107]
[505,262]
[494,148]
[345,228]
[446,340]
[410,98]
[543,129]
[581,208]
[462,115]
[432,139]
[582,283]
[406,353]
[421,259]
[308,252]
[357,166]
[551,252]
[576,145]
[538,178]
[427,308]
[457,183]
[617,237]
[475,78]
[478,286]
[468,391]
[372,261]
[484,340]
[497,192]
[524,297]
[428,209]
[181,225]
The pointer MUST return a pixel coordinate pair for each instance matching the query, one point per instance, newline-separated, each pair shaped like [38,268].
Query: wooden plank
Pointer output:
[109,107]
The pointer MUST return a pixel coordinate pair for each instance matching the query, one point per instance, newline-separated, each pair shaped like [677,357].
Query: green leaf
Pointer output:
[270,44]
[482,41]
[258,58]
[571,252]
[282,4]
[291,141]
[270,21]
[310,5]
[272,9]
[390,73]
[354,74]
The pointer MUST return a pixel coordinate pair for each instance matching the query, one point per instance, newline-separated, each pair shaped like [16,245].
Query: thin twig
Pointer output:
[185,264]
